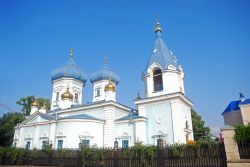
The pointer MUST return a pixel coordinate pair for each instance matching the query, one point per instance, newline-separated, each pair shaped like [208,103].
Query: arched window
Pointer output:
[157,75]
[57,96]
[186,124]
[76,97]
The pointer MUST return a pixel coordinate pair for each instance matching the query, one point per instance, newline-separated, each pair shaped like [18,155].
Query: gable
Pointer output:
[37,119]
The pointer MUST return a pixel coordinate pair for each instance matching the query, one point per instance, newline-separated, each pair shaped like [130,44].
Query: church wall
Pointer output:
[141,131]
[120,114]
[124,131]
[43,130]
[73,129]
[170,82]
[181,113]
[98,113]
[16,138]
[159,122]
[27,135]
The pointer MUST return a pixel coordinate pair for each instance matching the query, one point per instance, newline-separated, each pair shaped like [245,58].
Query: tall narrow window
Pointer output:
[76,97]
[59,144]
[27,145]
[157,75]
[44,144]
[98,92]
[57,96]
[186,125]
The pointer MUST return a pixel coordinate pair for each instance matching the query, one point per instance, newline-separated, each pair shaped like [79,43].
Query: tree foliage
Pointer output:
[242,133]
[25,102]
[7,123]
[201,132]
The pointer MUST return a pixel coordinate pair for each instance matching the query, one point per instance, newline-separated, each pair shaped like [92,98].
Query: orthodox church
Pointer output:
[162,116]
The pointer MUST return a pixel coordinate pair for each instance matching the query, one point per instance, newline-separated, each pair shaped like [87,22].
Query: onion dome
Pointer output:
[70,70]
[104,73]
[34,103]
[67,95]
[109,86]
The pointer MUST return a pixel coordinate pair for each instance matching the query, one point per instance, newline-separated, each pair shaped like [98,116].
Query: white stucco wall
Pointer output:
[159,121]
[181,113]
[124,131]
[73,129]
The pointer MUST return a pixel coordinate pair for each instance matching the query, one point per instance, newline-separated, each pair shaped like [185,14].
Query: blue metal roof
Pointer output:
[104,73]
[235,105]
[246,101]
[232,106]
[79,116]
[69,70]
[132,115]
[161,54]
[46,116]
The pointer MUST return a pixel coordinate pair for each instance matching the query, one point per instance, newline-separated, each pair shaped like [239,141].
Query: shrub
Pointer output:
[242,134]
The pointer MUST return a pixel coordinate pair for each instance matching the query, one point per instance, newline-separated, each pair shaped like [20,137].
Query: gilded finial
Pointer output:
[105,59]
[71,54]
[157,28]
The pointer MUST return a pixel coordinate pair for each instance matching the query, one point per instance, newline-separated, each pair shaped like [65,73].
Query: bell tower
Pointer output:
[162,74]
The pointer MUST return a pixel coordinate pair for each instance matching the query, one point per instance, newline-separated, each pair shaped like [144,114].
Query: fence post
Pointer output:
[231,147]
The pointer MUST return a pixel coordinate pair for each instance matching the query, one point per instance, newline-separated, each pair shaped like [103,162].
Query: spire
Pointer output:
[105,60]
[138,97]
[158,27]
[71,54]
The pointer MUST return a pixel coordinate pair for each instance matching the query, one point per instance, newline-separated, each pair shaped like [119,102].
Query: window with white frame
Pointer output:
[85,142]
[44,142]
[125,143]
[59,144]
[27,146]
[76,97]
[57,96]
[98,92]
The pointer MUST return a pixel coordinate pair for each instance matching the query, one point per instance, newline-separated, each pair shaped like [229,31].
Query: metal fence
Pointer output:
[171,156]
[244,150]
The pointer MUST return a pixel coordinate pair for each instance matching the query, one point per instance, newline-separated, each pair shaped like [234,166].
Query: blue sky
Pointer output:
[211,40]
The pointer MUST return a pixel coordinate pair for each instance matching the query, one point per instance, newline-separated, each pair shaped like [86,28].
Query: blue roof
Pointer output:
[69,70]
[132,115]
[232,106]
[235,105]
[79,116]
[104,73]
[246,101]
[161,54]
[46,116]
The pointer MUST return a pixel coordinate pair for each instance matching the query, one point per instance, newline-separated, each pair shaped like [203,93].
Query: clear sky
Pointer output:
[211,39]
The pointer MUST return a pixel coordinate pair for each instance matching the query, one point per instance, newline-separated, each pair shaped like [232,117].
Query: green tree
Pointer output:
[201,132]
[242,133]
[7,123]
[25,102]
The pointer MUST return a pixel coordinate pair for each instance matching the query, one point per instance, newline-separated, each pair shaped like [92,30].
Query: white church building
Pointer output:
[162,115]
